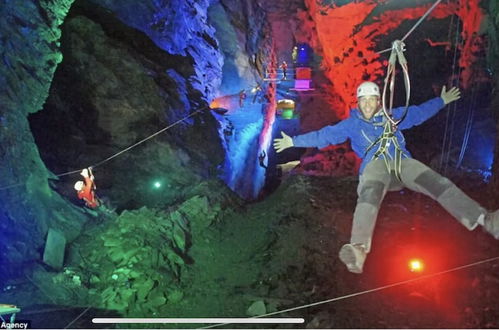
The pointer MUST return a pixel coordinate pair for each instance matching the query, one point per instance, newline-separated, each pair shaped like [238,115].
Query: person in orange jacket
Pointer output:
[86,189]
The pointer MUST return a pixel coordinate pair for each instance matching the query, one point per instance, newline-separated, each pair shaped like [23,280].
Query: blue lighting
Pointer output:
[479,153]
[304,55]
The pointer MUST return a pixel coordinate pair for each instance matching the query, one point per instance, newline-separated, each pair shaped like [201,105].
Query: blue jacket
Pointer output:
[363,132]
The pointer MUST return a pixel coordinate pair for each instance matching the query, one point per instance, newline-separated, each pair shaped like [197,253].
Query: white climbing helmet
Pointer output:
[79,185]
[367,88]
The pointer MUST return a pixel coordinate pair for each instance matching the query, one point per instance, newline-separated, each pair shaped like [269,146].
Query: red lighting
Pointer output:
[416,265]
[349,40]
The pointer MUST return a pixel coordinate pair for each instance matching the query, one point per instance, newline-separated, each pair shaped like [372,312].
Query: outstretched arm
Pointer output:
[417,114]
[328,135]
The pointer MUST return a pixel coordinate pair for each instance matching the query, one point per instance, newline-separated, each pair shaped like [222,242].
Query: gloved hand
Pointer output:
[284,143]
[84,173]
[452,95]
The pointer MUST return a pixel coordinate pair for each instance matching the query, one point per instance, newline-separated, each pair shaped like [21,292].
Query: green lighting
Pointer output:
[157,184]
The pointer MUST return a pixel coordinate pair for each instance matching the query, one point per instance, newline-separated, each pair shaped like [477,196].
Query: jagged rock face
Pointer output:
[345,37]
[247,17]
[179,27]
[115,88]
[239,31]
[248,48]
[187,74]
[28,206]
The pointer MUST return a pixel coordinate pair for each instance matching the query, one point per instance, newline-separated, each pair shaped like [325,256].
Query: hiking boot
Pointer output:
[353,256]
[491,224]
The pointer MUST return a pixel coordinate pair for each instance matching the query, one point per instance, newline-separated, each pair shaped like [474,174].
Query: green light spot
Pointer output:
[157,184]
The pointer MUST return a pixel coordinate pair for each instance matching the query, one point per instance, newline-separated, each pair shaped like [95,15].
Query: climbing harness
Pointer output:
[118,153]
[388,286]
[385,140]
[388,136]
[397,53]
[86,190]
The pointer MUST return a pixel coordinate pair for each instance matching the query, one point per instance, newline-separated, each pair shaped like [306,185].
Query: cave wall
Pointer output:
[116,87]
[179,27]
[30,54]
[493,62]
[239,38]
[248,46]
[446,47]
[349,47]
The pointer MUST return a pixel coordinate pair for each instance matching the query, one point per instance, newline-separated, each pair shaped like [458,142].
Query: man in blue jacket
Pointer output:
[388,166]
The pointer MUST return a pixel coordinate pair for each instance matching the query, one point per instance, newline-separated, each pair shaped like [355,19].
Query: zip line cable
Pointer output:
[452,115]
[415,25]
[449,32]
[421,20]
[469,125]
[312,304]
[77,318]
[134,145]
[447,141]
[54,302]
[370,290]
[145,139]
[397,50]
[452,108]
[120,152]
[453,77]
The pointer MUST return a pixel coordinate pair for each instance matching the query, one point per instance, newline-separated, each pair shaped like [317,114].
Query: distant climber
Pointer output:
[284,68]
[388,166]
[86,189]
[258,92]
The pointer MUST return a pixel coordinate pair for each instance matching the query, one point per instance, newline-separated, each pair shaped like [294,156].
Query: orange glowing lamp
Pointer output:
[416,265]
